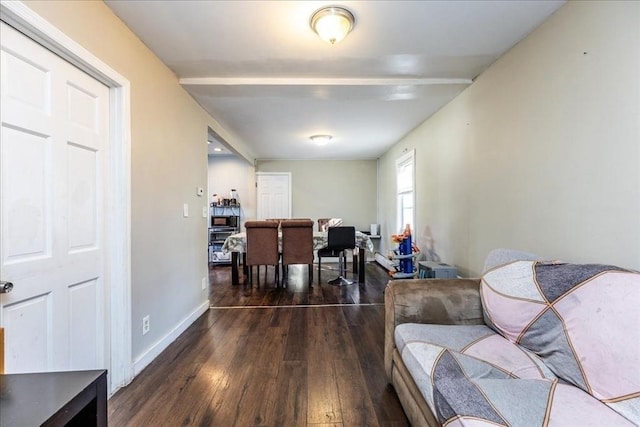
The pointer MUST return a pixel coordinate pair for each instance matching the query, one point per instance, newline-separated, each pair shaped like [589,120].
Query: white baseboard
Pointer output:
[155,350]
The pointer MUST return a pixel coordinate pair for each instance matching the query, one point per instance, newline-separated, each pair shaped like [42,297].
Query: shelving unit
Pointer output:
[225,221]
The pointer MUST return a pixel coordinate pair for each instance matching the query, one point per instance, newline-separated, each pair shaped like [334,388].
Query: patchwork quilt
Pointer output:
[562,348]
[582,320]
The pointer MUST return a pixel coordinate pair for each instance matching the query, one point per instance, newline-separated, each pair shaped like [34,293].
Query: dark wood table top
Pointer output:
[36,399]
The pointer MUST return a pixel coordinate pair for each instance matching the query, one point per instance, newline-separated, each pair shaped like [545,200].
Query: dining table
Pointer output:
[236,244]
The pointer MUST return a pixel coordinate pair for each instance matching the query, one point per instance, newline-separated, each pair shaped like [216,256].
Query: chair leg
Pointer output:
[277,267]
[285,275]
[310,275]
[341,280]
[354,260]
[344,262]
[345,281]
[319,267]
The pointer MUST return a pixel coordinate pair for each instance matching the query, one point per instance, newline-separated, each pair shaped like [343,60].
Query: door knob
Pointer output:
[5,287]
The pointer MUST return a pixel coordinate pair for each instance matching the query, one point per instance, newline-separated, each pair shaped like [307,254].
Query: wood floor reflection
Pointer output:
[268,356]
[297,291]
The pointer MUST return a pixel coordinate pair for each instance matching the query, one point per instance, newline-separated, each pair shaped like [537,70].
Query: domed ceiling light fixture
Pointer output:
[332,23]
[320,139]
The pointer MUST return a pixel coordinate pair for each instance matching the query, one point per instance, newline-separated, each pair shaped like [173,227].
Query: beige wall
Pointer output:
[168,163]
[344,189]
[541,153]
[227,172]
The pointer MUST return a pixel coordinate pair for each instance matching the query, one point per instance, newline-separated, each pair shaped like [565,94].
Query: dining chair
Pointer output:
[276,220]
[338,240]
[297,246]
[325,223]
[262,248]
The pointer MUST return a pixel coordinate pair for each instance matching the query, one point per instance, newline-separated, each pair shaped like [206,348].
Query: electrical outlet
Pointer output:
[146,324]
[205,212]
[204,283]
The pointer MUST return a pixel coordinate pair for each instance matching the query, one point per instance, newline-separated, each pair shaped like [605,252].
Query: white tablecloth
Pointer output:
[238,242]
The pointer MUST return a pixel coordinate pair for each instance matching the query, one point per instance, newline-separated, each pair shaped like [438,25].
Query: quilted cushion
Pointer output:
[471,376]
[582,320]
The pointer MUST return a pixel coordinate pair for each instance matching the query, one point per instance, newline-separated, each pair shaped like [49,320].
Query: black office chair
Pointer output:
[338,239]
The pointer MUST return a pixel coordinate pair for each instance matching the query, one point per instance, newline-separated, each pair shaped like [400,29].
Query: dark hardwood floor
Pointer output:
[297,291]
[268,356]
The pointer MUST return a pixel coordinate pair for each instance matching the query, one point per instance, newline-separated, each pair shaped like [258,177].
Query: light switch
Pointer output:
[205,212]
[185,210]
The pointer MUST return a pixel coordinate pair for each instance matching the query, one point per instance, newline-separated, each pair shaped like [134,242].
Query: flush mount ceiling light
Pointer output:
[332,23]
[320,139]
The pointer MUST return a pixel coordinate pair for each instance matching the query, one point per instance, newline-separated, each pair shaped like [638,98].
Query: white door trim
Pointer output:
[118,198]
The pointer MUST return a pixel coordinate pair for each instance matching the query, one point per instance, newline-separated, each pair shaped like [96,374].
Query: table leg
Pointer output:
[245,270]
[101,401]
[354,261]
[234,268]
[361,259]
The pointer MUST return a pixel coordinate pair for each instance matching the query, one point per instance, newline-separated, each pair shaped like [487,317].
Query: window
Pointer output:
[405,183]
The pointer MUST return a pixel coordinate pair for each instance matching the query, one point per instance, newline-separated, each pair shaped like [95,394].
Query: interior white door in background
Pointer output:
[273,191]
[54,138]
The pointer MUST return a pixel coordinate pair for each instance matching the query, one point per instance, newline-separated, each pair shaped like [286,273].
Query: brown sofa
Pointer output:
[435,301]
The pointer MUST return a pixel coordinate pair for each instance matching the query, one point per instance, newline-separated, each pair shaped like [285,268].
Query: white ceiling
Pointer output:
[266,77]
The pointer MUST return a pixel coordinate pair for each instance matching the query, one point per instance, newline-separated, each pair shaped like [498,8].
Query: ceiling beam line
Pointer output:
[284,81]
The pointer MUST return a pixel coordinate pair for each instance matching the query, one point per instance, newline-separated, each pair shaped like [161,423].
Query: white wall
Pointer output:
[541,153]
[344,189]
[168,162]
[227,172]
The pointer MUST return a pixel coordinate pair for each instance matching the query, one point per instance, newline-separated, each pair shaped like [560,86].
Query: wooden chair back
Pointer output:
[297,241]
[325,223]
[262,243]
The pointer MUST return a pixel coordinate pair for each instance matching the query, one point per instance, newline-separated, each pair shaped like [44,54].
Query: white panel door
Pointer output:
[274,195]
[54,136]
